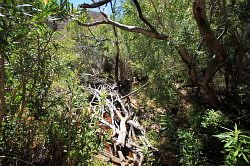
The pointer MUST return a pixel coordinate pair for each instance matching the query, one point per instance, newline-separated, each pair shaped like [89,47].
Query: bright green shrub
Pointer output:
[237,146]
[190,147]
[214,119]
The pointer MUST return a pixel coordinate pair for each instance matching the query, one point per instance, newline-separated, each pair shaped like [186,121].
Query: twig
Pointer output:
[95,4]
[222,34]
[242,116]
[135,91]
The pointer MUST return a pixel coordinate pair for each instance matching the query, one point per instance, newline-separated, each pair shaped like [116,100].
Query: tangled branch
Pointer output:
[117,115]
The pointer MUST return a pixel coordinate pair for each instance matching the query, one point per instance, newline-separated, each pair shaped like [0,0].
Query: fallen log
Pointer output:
[115,114]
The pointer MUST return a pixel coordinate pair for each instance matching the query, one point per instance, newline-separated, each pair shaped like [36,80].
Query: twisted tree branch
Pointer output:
[94,4]
[128,28]
[138,7]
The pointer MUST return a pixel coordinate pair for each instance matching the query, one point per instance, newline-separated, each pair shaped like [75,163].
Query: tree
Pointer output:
[44,106]
[216,50]
[23,28]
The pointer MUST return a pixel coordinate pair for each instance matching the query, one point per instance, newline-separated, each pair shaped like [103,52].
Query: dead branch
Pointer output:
[222,34]
[136,125]
[115,114]
[95,4]
[128,28]
[135,91]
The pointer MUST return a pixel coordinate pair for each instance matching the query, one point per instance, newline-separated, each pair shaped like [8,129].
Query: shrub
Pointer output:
[190,147]
[214,119]
[237,146]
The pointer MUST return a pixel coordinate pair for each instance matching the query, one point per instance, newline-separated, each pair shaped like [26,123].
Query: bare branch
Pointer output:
[113,114]
[222,34]
[117,57]
[108,124]
[186,57]
[122,158]
[151,33]
[138,7]
[128,28]
[136,125]
[135,91]
[95,4]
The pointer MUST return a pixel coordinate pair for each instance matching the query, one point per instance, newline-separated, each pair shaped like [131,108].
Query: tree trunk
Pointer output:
[117,59]
[213,44]
[23,103]
[117,56]
[2,89]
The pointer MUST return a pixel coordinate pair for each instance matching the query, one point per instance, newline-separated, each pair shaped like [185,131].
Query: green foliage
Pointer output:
[46,69]
[159,59]
[167,123]
[30,52]
[194,117]
[149,157]
[214,119]
[190,147]
[100,163]
[66,135]
[47,121]
[237,146]
[61,139]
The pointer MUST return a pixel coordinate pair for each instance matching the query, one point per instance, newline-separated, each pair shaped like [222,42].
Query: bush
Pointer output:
[190,147]
[237,146]
[65,134]
[57,140]
[213,120]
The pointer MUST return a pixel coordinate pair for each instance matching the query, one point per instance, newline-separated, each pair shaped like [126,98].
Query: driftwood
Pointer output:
[117,116]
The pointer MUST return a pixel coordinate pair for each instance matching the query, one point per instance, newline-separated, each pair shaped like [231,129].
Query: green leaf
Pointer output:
[228,143]
[236,153]
[245,158]
[245,136]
